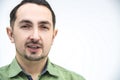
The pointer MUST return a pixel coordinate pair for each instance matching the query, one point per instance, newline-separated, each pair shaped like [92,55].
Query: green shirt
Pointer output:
[53,72]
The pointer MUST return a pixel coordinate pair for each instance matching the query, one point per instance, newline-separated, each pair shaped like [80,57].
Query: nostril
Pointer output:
[35,41]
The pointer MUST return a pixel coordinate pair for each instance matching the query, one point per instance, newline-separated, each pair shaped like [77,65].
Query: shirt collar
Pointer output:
[15,69]
[52,69]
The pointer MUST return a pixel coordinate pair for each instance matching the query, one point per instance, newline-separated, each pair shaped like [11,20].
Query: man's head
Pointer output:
[32,29]
[38,2]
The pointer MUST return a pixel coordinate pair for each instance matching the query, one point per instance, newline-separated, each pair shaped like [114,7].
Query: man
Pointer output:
[32,29]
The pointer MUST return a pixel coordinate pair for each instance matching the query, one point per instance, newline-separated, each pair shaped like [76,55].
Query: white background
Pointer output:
[88,41]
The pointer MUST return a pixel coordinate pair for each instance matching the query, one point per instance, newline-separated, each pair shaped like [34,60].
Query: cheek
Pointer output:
[19,39]
[48,39]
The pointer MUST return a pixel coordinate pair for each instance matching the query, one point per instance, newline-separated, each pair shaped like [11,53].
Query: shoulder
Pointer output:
[67,74]
[4,71]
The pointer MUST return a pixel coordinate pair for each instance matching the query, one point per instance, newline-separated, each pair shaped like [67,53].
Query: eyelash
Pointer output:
[43,27]
[25,26]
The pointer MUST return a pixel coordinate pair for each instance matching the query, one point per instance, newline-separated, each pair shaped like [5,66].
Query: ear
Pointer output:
[9,31]
[55,33]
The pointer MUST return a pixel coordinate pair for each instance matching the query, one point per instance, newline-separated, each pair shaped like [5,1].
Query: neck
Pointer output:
[32,67]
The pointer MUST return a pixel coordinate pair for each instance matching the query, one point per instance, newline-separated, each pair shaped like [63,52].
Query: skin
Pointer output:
[33,35]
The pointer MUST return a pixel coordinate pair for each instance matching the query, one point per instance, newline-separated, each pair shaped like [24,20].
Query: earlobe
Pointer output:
[10,34]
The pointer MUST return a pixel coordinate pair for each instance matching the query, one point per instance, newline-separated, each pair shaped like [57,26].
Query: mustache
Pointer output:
[34,43]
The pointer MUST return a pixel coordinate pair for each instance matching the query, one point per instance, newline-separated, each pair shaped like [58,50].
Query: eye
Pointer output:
[44,27]
[25,27]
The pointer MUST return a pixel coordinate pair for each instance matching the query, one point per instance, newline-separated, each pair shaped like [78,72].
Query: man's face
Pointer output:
[33,32]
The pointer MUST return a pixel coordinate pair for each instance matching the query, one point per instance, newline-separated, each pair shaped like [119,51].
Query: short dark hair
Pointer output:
[39,2]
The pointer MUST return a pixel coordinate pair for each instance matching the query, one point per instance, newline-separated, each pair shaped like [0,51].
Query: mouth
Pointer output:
[34,47]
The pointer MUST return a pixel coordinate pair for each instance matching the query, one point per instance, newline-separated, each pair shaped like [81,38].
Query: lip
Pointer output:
[34,47]
[33,50]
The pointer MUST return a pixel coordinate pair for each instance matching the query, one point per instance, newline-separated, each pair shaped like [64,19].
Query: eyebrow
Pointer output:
[25,21]
[44,22]
[41,22]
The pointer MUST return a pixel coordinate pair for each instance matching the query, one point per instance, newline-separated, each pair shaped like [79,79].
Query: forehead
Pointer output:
[31,6]
[33,11]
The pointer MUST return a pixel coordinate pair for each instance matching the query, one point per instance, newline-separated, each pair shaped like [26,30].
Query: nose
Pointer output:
[35,35]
